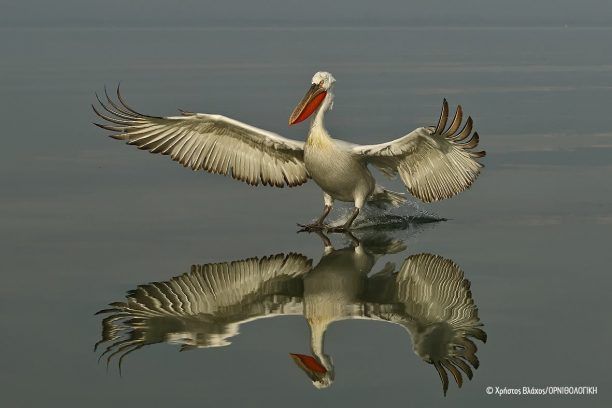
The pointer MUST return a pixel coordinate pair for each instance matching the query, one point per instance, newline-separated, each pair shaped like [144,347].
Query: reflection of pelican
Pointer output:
[428,296]
[434,163]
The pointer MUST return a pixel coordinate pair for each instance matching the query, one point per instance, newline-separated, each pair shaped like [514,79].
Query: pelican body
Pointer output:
[341,174]
[434,163]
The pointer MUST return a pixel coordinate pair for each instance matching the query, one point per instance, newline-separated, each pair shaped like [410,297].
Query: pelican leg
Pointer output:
[318,224]
[354,240]
[347,225]
[327,244]
[326,211]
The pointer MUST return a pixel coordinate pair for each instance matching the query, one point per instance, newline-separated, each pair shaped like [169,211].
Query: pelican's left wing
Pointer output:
[434,163]
[208,142]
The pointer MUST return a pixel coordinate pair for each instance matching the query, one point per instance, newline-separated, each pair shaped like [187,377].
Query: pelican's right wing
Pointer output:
[208,142]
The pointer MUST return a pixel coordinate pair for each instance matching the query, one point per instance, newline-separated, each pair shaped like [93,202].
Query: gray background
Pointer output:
[83,218]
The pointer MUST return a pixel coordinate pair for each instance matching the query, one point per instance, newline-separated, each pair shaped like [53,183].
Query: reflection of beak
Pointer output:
[310,365]
[309,103]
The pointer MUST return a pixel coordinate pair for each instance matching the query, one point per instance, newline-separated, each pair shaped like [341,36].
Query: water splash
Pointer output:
[403,217]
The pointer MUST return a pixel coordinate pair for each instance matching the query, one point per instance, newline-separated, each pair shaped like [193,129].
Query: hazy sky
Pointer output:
[297,12]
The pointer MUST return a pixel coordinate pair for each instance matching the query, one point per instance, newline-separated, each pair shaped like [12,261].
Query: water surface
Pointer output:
[86,219]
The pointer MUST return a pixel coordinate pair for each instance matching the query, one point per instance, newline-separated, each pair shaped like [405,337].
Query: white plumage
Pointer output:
[433,162]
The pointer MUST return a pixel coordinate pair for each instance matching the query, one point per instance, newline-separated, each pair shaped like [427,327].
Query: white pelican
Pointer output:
[428,296]
[433,162]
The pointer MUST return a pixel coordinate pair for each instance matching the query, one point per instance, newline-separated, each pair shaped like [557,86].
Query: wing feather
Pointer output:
[434,163]
[213,143]
[204,308]
[211,287]
[438,298]
[430,297]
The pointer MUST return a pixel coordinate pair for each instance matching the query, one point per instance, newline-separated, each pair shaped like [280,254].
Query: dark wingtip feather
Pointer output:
[478,155]
[479,334]
[185,112]
[443,376]
[104,311]
[471,143]
[94,108]
[95,348]
[465,131]
[126,106]
[454,371]
[443,117]
[463,366]
[120,112]
[108,127]
[457,119]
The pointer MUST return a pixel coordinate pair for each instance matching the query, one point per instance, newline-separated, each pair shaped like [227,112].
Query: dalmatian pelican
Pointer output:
[434,163]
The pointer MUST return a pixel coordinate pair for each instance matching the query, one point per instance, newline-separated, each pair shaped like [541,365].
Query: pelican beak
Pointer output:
[309,103]
[310,365]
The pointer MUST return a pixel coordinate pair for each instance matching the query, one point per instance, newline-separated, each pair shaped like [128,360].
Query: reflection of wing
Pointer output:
[203,308]
[430,297]
[434,163]
[213,143]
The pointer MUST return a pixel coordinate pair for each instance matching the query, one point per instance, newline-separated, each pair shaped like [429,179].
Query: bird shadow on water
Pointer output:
[427,295]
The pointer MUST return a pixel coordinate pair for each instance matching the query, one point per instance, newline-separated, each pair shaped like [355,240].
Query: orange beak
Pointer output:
[309,103]
[310,366]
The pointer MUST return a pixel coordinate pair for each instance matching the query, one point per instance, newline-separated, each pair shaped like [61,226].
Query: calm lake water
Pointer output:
[86,219]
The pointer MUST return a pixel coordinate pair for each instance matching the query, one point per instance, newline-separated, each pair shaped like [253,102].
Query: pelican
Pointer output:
[428,296]
[434,163]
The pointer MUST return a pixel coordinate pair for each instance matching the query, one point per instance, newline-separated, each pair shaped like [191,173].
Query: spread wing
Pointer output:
[434,163]
[430,297]
[205,307]
[213,143]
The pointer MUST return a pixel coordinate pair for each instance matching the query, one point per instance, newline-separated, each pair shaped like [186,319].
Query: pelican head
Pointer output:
[319,369]
[325,79]
[322,82]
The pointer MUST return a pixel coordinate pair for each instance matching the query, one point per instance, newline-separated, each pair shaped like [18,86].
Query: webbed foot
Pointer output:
[314,227]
